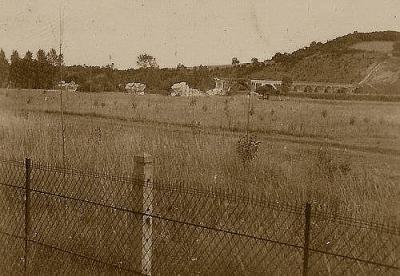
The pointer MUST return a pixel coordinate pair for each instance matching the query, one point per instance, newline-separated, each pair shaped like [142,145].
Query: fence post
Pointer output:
[144,172]
[307,228]
[28,169]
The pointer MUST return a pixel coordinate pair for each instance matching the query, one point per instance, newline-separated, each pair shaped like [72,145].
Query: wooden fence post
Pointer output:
[28,169]
[307,228]
[144,172]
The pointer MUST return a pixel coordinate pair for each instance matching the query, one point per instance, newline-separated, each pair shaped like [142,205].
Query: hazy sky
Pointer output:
[192,32]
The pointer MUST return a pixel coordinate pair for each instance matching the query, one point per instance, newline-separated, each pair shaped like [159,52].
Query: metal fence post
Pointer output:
[144,172]
[307,228]
[28,169]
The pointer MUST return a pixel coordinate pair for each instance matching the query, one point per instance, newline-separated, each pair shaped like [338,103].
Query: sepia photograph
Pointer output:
[200,137]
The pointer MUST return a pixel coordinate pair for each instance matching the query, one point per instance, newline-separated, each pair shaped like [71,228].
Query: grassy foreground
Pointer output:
[117,126]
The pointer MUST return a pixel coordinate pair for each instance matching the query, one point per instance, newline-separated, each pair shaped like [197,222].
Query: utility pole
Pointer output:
[90,85]
[61,90]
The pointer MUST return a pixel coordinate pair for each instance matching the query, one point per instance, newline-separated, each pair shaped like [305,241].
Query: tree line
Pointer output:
[334,61]
[42,71]
[28,71]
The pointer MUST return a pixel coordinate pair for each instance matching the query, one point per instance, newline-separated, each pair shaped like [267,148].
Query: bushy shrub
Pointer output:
[266,90]
[247,148]
[287,83]
[329,167]
[352,120]
[308,89]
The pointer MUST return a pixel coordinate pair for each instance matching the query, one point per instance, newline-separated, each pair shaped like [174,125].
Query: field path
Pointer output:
[274,136]
[372,71]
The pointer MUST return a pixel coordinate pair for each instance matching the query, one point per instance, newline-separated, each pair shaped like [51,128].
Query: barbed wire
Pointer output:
[87,173]
[218,193]
[213,214]
[351,221]
[189,224]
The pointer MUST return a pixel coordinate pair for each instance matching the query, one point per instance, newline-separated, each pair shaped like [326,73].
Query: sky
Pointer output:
[191,32]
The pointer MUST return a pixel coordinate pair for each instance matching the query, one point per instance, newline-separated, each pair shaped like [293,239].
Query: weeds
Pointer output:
[181,156]
[227,113]
[352,120]
[247,148]
[252,111]
[279,114]
[193,101]
[329,167]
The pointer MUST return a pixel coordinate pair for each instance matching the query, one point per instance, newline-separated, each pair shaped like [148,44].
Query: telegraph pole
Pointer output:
[61,90]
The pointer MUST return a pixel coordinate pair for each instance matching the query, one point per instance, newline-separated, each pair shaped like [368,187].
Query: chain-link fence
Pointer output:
[60,221]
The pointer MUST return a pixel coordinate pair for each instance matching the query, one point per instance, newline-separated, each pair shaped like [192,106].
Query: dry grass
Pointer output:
[365,183]
[298,117]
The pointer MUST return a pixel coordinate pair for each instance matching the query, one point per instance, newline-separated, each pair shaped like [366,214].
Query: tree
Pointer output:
[279,57]
[146,61]
[180,66]
[27,70]
[235,61]
[254,61]
[396,49]
[4,69]
[54,63]
[43,76]
[52,57]
[15,69]
[287,83]
[28,56]
[266,90]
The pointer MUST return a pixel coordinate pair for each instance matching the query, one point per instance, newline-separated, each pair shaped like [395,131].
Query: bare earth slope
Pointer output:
[384,77]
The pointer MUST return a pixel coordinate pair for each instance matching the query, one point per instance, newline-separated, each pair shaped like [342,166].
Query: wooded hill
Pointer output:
[338,60]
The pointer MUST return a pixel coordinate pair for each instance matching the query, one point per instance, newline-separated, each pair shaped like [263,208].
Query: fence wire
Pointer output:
[86,223]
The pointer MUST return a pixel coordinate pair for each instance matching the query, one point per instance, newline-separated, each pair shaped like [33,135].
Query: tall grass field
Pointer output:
[343,154]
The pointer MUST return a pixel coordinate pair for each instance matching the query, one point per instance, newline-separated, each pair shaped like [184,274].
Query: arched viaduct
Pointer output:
[308,87]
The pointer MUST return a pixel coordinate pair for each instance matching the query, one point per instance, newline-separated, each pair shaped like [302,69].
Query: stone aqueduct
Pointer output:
[297,86]
[310,87]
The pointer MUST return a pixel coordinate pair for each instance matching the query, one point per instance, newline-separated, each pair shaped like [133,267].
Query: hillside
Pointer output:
[340,67]
[369,59]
